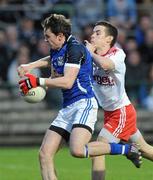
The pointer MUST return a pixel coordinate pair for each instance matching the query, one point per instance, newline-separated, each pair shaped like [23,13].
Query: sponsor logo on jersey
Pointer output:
[104,80]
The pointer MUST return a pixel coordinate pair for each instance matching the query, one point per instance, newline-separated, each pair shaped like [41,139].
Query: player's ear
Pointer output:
[109,39]
[60,36]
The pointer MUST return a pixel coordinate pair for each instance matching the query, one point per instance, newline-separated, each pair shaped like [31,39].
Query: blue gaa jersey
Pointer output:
[74,54]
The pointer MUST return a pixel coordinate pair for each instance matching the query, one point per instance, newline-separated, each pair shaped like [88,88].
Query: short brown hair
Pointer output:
[110,30]
[57,23]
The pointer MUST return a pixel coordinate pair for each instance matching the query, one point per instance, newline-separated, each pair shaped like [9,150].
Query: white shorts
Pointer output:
[82,113]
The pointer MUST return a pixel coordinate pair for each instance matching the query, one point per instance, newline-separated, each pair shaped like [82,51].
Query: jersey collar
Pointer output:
[69,38]
[110,51]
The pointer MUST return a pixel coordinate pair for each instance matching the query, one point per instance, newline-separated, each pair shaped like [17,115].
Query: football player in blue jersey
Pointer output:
[71,65]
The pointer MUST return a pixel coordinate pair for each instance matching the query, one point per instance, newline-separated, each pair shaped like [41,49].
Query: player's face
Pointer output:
[55,41]
[99,37]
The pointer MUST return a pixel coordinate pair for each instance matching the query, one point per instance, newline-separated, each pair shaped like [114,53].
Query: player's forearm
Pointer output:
[60,82]
[103,62]
[43,62]
[27,68]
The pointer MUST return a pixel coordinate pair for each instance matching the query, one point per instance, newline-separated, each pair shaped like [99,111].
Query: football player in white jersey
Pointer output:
[109,87]
[71,63]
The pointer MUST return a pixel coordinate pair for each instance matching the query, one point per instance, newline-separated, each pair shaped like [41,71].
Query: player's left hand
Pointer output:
[29,81]
[24,69]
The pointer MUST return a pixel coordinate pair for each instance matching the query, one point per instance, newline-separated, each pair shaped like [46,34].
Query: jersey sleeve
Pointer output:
[118,58]
[75,56]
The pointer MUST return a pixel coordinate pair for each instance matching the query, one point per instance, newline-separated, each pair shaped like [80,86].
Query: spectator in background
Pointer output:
[42,49]
[87,32]
[22,57]
[29,34]
[3,2]
[148,100]
[39,7]
[7,16]
[41,2]
[131,45]
[88,11]
[145,6]
[4,62]
[135,77]
[12,40]
[146,49]
[144,24]
[122,13]
[121,39]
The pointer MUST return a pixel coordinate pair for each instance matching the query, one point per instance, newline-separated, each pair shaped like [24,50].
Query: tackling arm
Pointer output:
[103,62]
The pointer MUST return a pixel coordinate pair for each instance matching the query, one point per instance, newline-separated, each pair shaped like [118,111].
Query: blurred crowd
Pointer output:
[22,41]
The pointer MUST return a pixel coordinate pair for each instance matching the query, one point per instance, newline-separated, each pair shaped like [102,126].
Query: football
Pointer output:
[35,95]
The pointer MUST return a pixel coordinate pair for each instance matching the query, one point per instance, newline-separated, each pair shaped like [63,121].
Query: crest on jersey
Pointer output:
[60,61]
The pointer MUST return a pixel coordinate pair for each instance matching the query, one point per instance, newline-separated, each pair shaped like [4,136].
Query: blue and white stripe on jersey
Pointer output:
[72,65]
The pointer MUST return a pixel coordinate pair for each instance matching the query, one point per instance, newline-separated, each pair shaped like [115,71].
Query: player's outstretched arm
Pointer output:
[27,68]
[103,62]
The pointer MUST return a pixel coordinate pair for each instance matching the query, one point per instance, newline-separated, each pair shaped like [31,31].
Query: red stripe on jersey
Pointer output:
[111,51]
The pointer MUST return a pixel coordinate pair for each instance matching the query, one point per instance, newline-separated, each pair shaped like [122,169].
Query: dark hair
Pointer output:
[110,30]
[57,23]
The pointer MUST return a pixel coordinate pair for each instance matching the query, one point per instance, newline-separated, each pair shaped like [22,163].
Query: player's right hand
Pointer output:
[90,46]
[28,82]
[23,69]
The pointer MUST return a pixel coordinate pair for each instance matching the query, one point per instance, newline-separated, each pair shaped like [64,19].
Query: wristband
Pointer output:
[42,81]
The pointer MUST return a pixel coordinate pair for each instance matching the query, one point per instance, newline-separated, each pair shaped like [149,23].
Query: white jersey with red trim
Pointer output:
[109,85]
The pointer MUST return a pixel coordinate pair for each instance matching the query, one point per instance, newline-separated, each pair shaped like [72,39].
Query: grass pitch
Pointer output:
[22,164]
